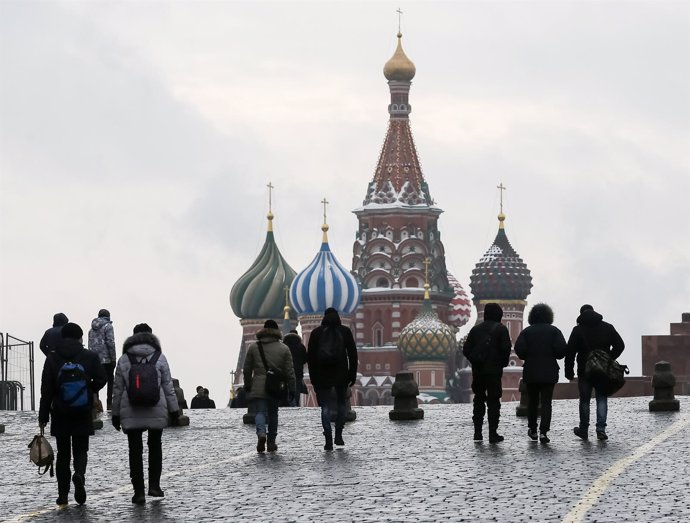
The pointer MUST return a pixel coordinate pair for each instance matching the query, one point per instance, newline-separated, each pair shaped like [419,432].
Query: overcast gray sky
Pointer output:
[137,138]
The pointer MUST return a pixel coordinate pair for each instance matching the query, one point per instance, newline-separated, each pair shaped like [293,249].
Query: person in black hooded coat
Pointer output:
[70,428]
[53,336]
[590,333]
[325,375]
[486,378]
[540,346]
[299,360]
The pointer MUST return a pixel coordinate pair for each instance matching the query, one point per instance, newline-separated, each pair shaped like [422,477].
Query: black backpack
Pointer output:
[276,382]
[478,354]
[331,347]
[72,388]
[144,389]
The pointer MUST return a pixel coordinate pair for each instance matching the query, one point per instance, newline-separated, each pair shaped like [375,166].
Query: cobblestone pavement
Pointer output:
[428,470]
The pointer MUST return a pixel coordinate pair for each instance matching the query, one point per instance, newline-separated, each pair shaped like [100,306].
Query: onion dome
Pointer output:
[460,306]
[427,337]
[259,293]
[324,283]
[399,68]
[500,274]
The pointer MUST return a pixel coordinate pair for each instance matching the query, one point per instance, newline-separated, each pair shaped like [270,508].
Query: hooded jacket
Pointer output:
[143,345]
[67,423]
[102,339]
[299,354]
[540,345]
[277,355]
[53,336]
[345,372]
[591,332]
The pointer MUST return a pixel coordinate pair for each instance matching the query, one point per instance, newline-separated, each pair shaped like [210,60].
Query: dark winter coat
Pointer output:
[328,376]
[143,345]
[277,355]
[102,339]
[201,402]
[499,355]
[591,333]
[53,336]
[540,346]
[299,354]
[61,423]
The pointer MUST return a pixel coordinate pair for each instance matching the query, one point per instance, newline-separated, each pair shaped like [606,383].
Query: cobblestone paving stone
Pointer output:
[427,470]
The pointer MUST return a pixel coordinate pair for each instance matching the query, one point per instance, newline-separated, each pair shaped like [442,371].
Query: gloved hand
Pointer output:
[570,376]
[116,422]
[174,416]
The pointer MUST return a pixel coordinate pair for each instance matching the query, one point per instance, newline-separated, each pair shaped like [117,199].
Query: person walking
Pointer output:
[277,355]
[134,415]
[71,376]
[210,404]
[492,337]
[590,333]
[332,363]
[199,401]
[53,336]
[102,342]
[540,346]
[299,360]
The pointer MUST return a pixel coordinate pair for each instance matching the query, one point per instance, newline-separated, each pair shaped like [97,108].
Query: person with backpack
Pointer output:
[540,346]
[591,333]
[53,336]
[299,360]
[332,363]
[267,355]
[144,400]
[487,348]
[71,376]
[102,342]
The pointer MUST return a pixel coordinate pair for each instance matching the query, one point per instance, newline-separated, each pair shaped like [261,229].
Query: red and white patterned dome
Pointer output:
[460,306]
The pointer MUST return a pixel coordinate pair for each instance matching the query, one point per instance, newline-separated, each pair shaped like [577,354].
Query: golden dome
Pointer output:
[399,67]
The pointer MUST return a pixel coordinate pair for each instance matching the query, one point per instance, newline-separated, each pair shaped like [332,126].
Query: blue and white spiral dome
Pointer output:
[324,283]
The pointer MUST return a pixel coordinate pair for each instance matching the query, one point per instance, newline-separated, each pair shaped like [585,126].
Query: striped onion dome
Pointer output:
[426,337]
[501,273]
[259,293]
[460,306]
[324,283]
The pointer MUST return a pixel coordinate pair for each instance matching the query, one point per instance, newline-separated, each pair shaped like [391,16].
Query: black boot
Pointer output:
[339,437]
[494,436]
[271,445]
[329,442]
[79,489]
[139,497]
[261,443]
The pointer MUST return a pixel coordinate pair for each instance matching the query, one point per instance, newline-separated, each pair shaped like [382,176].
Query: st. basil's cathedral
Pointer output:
[399,299]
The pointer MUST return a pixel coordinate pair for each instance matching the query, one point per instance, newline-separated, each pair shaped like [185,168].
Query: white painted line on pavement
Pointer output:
[104,495]
[579,511]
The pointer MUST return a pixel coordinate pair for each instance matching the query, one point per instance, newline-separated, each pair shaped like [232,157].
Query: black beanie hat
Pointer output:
[104,313]
[72,331]
[493,312]
[270,324]
[142,327]
[586,307]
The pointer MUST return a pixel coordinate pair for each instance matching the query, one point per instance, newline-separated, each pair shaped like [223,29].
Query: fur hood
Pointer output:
[267,335]
[141,338]
[540,313]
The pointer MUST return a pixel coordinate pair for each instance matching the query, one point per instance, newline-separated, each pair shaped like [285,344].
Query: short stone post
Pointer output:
[521,409]
[663,383]
[405,392]
[183,420]
[2,428]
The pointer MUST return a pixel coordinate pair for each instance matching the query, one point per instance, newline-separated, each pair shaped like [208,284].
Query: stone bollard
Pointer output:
[663,383]
[521,409]
[183,420]
[350,415]
[2,428]
[405,391]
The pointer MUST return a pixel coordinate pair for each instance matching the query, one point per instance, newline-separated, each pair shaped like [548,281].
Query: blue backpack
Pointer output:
[72,388]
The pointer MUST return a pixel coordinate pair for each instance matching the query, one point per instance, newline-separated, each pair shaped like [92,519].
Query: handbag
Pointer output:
[41,453]
[276,384]
[604,373]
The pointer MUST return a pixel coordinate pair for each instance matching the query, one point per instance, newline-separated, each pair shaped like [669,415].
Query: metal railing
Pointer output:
[17,387]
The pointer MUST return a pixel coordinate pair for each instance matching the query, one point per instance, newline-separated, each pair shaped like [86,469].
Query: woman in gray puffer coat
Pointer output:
[143,346]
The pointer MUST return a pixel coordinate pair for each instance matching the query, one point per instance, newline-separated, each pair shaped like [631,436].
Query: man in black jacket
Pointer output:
[71,421]
[590,333]
[52,336]
[299,359]
[486,377]
[332,361]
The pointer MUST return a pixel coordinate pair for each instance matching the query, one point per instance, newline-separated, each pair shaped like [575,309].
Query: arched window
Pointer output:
[411,282]
[382,282]
[378,335]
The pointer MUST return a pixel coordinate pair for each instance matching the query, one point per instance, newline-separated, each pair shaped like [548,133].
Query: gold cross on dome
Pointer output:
[324,202]
[501,188]
[270,190]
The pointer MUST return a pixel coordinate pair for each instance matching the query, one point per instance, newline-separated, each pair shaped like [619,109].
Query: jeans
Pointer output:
[109,369]
[539,392]
[266,408]
[136,458]
[487,395]
[323,397]
[585,389]
[294,401]
[79,446]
